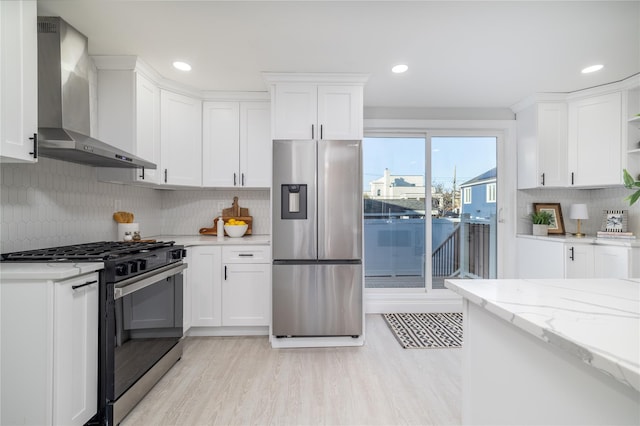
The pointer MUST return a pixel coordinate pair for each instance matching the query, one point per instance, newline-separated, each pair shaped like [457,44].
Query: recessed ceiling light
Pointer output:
[182,66]
[592,68]
[398,69]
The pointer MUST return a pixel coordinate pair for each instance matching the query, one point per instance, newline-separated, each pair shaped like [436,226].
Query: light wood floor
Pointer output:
[242,381]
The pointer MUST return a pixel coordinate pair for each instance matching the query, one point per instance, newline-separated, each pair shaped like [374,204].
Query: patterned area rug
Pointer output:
[421,331]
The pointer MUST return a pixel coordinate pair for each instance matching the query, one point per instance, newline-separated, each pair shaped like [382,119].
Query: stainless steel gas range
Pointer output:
[140,311]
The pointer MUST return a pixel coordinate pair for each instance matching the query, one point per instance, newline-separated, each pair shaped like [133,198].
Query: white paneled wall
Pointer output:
[596,200]
[185,212]
[55,203]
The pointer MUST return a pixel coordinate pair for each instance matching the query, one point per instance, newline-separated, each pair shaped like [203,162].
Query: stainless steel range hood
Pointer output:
[63,100]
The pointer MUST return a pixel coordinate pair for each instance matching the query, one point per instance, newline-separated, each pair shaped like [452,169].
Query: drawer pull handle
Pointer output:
[246,255]
[75,287]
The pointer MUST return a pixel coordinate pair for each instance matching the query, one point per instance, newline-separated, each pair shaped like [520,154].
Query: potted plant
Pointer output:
[631,183]
[541,221]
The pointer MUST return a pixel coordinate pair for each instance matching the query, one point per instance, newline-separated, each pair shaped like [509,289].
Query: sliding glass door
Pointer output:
[452,180]
[394,212]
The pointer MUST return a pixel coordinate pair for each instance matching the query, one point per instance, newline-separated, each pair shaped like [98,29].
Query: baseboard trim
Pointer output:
[387,303]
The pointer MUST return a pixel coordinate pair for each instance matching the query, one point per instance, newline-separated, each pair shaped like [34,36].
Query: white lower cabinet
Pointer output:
[246,289]
[578,260]
[230,285]
[49,355]
[616,262]
[561,258]
[205,264]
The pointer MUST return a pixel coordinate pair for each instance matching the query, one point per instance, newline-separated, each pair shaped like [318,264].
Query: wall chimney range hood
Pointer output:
[64,104]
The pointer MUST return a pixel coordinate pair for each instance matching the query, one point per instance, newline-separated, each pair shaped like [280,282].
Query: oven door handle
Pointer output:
[137,283]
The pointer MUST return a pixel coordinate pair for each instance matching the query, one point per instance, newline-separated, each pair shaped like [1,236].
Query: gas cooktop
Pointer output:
[98,251]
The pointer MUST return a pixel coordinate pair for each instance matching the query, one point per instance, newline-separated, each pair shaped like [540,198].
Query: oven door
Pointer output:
[145,331]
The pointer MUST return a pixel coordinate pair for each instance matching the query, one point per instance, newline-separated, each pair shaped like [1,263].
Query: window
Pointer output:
[466,195]
[491,193]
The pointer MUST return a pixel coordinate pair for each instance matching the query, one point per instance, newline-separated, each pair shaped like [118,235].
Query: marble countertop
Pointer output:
[595,320]
[589,239]
[212,240]
[46,271]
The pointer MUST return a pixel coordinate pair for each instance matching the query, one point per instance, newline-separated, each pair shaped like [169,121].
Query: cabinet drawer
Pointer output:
[246,254]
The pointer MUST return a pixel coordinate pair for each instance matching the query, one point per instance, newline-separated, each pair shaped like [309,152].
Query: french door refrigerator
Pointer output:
[317,238]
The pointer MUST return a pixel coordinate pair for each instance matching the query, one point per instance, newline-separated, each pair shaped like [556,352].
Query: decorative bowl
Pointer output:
[235,231]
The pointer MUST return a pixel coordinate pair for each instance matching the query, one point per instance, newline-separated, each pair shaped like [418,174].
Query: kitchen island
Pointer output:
[550,351]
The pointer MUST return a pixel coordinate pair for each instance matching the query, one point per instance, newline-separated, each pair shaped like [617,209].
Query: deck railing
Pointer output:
[445,261]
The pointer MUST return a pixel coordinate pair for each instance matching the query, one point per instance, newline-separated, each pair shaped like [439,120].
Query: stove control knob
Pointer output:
[122,269]
[142,264]
[134,266]
[176,254]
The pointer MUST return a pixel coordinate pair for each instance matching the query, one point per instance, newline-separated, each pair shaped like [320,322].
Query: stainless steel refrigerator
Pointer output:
[317,238]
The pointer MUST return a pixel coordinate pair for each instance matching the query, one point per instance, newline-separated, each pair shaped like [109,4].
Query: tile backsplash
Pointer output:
[54,203]
[597,200]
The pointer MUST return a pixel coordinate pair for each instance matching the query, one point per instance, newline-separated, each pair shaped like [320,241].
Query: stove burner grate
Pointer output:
[102,250]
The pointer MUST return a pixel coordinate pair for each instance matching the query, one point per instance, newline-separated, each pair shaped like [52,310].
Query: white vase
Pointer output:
[540,230]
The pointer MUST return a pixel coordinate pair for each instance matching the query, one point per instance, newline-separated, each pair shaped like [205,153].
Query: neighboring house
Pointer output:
[479,195]
[397,187]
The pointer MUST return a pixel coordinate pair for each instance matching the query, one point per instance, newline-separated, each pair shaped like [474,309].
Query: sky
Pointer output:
[471,156]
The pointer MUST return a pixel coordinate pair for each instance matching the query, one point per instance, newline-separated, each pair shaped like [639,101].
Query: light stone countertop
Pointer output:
[55,271]
[595,320]
[589,239]
[212,240]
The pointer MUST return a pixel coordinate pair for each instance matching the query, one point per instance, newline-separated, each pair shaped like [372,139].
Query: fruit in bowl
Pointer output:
[235,228]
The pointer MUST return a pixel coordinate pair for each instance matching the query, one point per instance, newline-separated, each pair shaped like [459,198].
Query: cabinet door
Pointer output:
[538,258]
[19,81]
[148,127]
[295,111]
[181,139]
[255,145]
[340,113]
[221,144]
[595,141]
[552,144]
[75,346]
[246,294]
[205,279]
[611,262]
[579,261]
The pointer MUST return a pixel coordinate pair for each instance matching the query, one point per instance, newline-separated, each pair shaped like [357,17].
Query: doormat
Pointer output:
[426,331]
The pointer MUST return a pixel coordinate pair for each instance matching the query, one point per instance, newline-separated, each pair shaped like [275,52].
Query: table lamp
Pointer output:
[578,212]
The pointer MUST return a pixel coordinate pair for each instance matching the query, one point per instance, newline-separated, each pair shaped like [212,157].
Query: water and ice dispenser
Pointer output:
[293,201]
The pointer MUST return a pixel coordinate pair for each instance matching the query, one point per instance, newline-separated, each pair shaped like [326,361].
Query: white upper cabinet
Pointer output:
[542,145]
[128,117]
[19,81]
[180,139]
[317,106]
[582,139]
[295,111]
[595,140]
[340,112]
[255,144]
[236,144]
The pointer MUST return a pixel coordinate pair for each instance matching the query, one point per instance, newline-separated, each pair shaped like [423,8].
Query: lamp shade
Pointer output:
[578,211]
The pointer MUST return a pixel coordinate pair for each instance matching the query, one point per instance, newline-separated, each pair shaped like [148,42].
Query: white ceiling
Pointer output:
[473,54]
